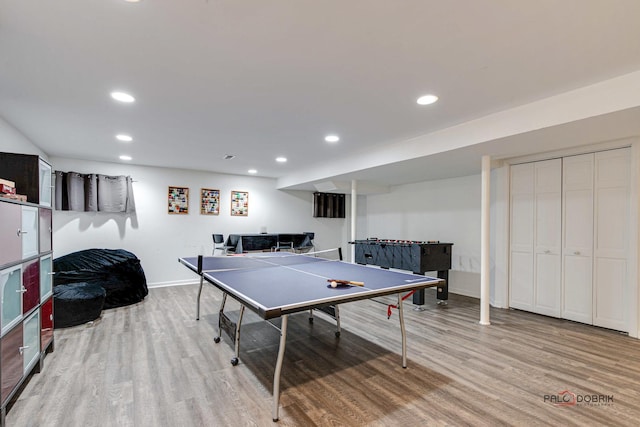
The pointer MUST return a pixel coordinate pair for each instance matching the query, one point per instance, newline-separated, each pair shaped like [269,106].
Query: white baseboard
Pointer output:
[178,283]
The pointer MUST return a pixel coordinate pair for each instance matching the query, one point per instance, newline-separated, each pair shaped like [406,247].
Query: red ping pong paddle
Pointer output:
[345,282]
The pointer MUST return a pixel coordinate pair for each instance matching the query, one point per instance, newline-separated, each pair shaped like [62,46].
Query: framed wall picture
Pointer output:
[239,203]
[209,201]
[178,200]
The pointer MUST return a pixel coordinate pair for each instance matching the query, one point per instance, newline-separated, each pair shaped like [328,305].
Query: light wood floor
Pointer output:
[152,364]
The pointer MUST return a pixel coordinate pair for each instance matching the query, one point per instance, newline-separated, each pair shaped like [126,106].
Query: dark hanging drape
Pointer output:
[93,192]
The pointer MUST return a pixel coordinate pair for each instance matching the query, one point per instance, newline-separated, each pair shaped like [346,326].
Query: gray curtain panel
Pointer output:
[131,204]
[75,191]
[93,192]
[60,185]
[112,193]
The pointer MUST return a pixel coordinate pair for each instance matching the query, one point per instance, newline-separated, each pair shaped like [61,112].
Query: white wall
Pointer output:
[12,141]
[159,239]
[446,210]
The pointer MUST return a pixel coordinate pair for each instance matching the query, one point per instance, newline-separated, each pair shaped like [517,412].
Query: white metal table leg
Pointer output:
[276,374]
[198,299]
[403,332]
[237,337]
[220,315]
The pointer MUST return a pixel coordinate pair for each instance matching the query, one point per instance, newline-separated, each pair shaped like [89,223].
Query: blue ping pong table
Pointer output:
[278,284]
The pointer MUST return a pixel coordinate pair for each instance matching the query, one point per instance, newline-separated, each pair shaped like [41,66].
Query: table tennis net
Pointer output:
[290,258]
[334,254]
[262,260]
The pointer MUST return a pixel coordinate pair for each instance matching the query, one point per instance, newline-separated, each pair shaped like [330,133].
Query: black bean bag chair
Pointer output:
[77,303]
[118,271]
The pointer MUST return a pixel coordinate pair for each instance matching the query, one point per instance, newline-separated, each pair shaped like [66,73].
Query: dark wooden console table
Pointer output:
[240,243]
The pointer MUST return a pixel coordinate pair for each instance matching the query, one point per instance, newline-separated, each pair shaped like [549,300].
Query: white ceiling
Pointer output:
[260,79]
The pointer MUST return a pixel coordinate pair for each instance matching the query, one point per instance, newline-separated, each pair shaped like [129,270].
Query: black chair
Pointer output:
[308,242]
[231,244]
[77,303]
[283,246]
[117,271]
[218,243]
[285,242]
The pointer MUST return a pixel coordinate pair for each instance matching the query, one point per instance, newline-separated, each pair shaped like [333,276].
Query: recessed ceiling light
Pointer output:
[252,171]
[281,159]
[332,138]
[122,97]
[427,99]
[124,138]
[125,157]
[132,1]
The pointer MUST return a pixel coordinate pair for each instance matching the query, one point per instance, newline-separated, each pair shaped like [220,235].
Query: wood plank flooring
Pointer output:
[153,364]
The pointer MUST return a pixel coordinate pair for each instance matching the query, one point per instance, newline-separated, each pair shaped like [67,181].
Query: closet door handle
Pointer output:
[576,252]
[22,349]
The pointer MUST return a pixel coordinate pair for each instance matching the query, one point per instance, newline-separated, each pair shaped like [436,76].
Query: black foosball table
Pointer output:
[417,257]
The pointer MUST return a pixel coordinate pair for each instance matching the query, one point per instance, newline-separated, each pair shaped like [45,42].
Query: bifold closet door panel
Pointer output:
[521,295]
[611,244]
[577,238]
[521,257]
[548,237]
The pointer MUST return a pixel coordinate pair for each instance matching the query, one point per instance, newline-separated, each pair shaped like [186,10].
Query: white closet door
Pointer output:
[577,242]
[547,246]
[522,211]
[611,218]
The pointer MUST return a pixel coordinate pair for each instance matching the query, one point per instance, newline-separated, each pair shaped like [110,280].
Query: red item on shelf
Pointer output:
[7,189]
[7,182]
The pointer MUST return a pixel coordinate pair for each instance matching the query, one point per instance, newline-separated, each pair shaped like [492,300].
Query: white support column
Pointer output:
[354,217]
[485,250]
